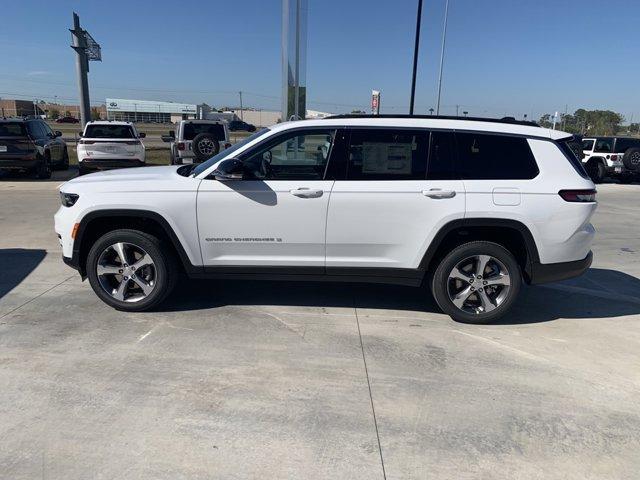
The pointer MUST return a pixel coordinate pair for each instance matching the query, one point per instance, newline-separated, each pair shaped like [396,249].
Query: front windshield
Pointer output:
[224,153]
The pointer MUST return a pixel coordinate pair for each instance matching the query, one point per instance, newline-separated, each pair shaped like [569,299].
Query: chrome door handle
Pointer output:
[437,193]
[306,192]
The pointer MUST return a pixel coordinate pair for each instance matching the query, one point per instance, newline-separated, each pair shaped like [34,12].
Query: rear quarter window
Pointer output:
[494,157]
[572,151]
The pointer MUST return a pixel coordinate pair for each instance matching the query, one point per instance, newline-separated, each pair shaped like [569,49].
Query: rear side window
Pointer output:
[13,129]
[442,152]
[193,129]
[494,157]
[109,131]
[604,145]
[36,130]
[385,154]
[623,144]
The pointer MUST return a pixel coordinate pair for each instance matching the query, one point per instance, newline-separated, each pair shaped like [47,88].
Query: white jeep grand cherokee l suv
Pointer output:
[469,207]
[105,145]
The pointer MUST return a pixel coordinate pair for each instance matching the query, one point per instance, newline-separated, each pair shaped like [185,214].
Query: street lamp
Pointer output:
[465,113]
[415,57]
[444,37]
[431,111]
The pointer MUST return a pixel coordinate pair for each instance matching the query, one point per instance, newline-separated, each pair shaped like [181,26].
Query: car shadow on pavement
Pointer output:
[56,176]
[17,263]
[585,297]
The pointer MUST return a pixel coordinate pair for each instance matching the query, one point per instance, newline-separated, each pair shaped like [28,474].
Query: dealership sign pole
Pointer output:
[86,50]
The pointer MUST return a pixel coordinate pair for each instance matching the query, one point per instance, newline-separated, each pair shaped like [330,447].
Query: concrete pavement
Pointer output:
[285,380]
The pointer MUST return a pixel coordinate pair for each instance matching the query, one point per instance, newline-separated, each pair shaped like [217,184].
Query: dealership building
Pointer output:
[148,111]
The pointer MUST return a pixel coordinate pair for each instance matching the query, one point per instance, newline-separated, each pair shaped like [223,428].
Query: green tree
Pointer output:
[95,113]
[586,122]
[67,113]
[54,113]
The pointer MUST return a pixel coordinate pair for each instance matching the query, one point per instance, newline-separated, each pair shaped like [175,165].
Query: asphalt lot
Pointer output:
[281,380]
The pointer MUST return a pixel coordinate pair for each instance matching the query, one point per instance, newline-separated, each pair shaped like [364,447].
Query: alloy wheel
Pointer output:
[126,272]
[479,284]
[206,146]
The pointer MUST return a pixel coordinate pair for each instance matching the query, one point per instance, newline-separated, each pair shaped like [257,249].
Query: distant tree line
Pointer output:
[591,122]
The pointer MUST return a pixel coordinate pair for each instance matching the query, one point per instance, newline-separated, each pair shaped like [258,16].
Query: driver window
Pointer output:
[301,156]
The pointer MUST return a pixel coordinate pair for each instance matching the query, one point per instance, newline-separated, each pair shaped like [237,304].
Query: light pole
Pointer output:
[444,37]
[415,57]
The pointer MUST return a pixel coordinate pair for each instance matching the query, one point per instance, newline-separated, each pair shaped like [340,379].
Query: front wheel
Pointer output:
[477,282]
[130,271]
[596,171]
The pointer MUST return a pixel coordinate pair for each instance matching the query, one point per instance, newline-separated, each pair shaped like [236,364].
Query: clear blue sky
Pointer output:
[502,57]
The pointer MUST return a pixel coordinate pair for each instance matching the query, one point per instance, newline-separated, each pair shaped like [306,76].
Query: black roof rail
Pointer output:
[509,120]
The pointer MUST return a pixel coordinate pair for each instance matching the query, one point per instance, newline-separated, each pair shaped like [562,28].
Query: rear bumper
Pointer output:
[554,272]
[18,163]
[110,164]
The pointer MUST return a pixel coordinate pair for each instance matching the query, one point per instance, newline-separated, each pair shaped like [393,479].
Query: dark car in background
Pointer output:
[30,146]
[67,120]
[239,125]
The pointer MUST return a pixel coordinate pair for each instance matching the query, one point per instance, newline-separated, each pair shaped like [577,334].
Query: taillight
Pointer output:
[180,146]
[578,195]
[614,157]
[227,145]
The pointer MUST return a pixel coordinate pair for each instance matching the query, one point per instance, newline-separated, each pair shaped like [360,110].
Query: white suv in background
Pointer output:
[470,208]
[105,145]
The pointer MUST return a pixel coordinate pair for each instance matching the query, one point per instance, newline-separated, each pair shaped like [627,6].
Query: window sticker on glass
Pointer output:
[391,158]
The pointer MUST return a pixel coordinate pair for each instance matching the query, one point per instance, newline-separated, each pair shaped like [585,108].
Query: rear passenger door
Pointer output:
[397,190]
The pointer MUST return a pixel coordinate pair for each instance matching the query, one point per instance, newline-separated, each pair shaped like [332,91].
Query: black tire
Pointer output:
[631,159]
[65,161]
[43,170]
[596,170]
[205,146]
[174,160]
[440,284]
[165,268]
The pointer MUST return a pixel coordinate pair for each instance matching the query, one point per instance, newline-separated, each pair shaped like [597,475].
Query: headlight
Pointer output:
[68,199]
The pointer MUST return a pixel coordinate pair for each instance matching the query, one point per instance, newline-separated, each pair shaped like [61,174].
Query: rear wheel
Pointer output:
[65,161]
[130,271]
[43,170]
[477,282]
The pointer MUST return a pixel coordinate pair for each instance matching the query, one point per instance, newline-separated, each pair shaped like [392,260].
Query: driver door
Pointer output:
[276,215]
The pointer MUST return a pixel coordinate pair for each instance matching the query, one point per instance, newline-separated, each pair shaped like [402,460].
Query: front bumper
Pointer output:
[554,272]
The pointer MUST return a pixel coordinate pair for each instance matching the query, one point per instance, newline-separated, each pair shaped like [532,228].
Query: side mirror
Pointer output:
[80,134]
[142,135]
[57,133]
[230,169]
[172,133]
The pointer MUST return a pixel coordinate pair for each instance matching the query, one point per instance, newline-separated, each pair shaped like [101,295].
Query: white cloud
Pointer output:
[37,73]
